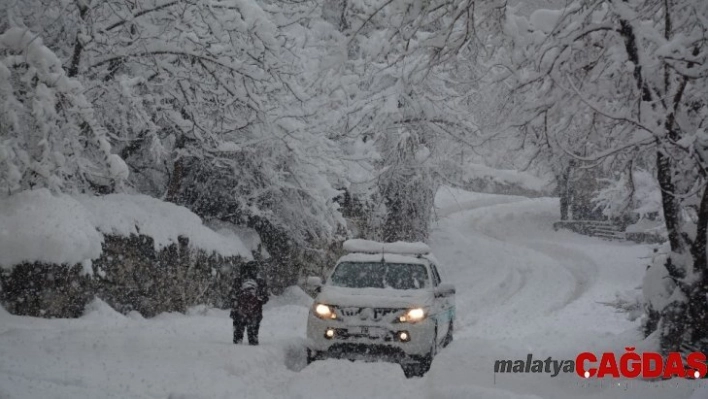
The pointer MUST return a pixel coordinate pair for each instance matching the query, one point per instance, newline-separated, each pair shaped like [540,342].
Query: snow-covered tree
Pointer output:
[606,81]
[204,94]
[406,89]
[49,135]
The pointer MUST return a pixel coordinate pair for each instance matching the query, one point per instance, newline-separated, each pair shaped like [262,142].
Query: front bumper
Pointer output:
[369,340]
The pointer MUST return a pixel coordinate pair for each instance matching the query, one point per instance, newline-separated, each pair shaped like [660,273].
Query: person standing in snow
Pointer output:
[248,295]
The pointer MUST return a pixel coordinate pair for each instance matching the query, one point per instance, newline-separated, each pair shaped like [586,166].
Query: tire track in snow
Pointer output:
[505,278]
[578,264]
[583,268]
[513,283]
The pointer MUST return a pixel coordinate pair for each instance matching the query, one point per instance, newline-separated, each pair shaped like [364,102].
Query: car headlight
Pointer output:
[412,315]
[324,312]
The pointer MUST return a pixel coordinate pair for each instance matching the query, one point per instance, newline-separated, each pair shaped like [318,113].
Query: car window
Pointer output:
[400,276]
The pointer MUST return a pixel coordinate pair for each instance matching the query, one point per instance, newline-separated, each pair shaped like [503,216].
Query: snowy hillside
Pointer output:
[522,288]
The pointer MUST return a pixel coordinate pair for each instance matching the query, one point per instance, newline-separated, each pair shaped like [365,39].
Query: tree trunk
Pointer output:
[73,69]
[698,249]
[697,312]
[668,202]
[173,189]
[178,172]
[283,267]
[393,230]
[564,191]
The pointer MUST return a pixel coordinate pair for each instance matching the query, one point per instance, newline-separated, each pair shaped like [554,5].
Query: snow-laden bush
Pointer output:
[43,289]
[636,197]
[135,252]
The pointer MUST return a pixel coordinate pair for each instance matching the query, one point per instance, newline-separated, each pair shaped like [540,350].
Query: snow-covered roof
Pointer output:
[374,247]
[36,225]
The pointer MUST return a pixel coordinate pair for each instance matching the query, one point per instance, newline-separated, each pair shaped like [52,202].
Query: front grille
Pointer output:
[349,312]
[354,332]
[374,314]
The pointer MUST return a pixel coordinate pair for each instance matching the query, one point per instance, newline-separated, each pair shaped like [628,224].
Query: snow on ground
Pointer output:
[522,288]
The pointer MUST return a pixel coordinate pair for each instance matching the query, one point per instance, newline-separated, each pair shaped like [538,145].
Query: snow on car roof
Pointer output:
[389,258]
[398,247]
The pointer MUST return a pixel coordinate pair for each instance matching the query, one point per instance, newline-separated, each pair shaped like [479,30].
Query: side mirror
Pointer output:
[313,282]
[444,289]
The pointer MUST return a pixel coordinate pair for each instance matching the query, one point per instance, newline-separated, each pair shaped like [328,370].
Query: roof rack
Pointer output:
[375,247]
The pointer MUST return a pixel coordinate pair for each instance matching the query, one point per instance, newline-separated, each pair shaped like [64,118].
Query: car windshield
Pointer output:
[400,276]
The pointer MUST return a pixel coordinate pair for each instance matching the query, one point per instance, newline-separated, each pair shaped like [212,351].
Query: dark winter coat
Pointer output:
[248,303]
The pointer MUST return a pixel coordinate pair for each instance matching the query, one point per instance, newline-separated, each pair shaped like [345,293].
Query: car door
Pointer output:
[444,306]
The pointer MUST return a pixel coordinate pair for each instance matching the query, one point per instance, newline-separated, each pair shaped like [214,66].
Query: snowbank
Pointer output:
[101,311]
[657,285]
[646,225]
[38,226]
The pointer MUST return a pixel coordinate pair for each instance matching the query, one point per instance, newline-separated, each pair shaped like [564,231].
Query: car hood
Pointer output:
[374,297]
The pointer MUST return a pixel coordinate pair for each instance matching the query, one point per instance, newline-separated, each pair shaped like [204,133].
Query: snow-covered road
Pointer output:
[522,288]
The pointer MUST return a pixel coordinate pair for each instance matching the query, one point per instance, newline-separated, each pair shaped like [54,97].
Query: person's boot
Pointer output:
[252,330]
[238,338]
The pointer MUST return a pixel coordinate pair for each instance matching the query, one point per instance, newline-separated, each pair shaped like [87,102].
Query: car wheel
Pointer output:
[417,368]
[421,364]
[311,356]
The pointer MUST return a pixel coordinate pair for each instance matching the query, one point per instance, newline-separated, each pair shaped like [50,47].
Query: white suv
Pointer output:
[382,302]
